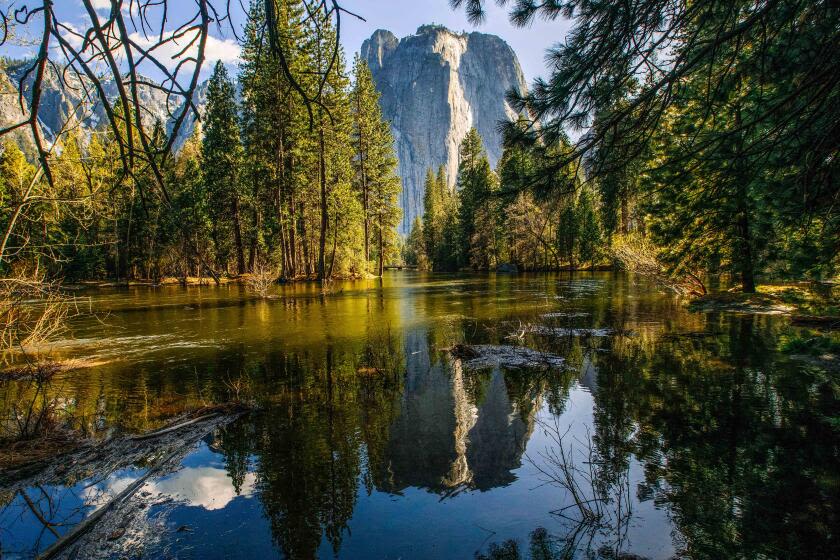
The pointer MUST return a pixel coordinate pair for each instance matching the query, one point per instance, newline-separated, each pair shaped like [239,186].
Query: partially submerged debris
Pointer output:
[558,332]
[561,331]
[52,367]
[564,315]
[156,453]
[514,357]
[36,454]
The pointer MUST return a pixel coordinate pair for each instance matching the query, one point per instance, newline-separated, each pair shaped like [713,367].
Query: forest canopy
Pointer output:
[706,137]
[711,127]
[290,169]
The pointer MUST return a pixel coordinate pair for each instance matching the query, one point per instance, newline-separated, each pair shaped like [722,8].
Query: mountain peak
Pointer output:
[430,28]
[435,86]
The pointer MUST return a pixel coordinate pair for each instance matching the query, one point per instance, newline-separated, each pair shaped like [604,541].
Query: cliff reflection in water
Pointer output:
[454,429]
[328,430]
[708,430]
[702,438]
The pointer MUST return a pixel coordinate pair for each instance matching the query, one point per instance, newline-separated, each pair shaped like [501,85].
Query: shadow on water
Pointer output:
[679,436]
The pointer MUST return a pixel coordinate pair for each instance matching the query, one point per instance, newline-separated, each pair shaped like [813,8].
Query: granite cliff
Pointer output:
[64,99]
[435,86]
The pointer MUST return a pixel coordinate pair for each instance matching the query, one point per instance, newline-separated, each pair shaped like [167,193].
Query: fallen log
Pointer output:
[174,428]
[464,352]
[513,357]
[74,534]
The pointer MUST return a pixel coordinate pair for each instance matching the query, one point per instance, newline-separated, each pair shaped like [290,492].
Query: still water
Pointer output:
[677,435]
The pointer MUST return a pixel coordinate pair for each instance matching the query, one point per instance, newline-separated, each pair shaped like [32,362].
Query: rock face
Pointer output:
[63,98]
[435,86]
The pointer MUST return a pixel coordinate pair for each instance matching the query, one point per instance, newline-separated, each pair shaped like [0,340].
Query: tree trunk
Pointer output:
[745,253]
[381,252]
[252,250]
[237,237]
[335,244]
[292,249]
[304,240]
[743,247]
[284,252]
[322,241]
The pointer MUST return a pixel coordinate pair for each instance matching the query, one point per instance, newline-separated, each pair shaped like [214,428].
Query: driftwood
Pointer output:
[464,352]
[174,428]
[95,462]
[480,356]
[87,524]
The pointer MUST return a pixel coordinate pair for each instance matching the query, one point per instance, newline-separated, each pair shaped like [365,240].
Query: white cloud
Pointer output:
[100,4]
[224,50]
[207,487]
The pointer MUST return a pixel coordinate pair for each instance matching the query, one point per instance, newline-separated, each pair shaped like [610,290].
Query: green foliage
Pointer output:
[816,345]
[415,248]
[711,129]
[476,182]
[311,191]
[440,222]
[589,228]
[221,153]
[375,168]
[567,233]
[488,220]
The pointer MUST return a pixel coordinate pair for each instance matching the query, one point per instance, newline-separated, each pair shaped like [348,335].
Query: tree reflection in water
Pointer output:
[706,441]
[738,443]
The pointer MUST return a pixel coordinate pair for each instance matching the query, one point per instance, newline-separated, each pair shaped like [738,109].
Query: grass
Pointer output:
[772,299]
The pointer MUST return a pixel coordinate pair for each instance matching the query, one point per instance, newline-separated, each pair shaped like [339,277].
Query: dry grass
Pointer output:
[32,311]
[637,254]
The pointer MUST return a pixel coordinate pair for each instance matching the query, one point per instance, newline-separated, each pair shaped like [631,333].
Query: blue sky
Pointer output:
[402,17]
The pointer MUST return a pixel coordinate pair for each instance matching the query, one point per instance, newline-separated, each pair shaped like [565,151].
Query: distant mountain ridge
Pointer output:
[64,97]
[435,86]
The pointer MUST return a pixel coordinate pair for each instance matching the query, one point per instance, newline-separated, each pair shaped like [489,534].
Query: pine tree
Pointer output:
[589,228]
[190,214]
[415,247]
[222,156]
[567,232]
[475,185]
[375,165]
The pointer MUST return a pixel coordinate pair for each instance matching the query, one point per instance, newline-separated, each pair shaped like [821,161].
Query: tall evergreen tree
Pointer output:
[222,158]
[415,247]
[589,227]
[432,216]
[475,184]
[375,165]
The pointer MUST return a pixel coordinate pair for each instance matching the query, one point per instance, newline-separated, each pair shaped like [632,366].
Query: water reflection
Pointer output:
[699,439]
[206,487]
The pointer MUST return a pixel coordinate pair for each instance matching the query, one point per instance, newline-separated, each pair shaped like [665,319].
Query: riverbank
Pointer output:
[243,279]
[804,303]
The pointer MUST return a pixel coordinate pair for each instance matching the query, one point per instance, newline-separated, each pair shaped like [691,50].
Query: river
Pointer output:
[665,434]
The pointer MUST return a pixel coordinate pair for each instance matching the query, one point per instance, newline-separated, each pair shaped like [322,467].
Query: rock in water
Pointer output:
[435,86]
